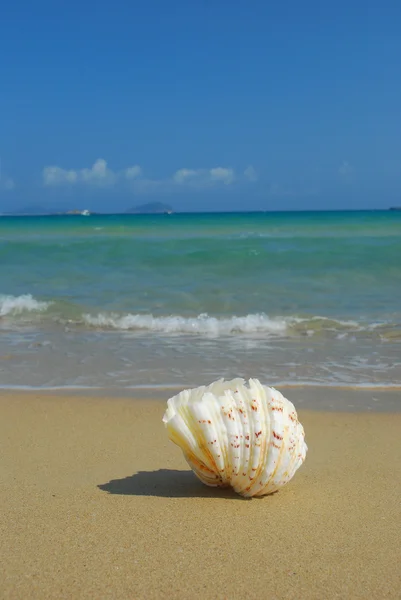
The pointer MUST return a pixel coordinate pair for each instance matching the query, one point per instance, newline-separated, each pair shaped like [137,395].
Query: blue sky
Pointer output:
[200,104]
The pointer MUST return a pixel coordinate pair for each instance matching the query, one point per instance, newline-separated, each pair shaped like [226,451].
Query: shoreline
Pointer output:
[320,398]
[98,503]
[154,388]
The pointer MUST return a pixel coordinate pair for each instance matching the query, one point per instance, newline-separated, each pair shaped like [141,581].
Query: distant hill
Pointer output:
[151,208]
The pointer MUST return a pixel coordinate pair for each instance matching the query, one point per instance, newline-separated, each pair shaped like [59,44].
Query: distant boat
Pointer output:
[85,213]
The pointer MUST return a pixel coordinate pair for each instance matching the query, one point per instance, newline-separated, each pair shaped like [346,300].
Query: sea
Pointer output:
[161,302]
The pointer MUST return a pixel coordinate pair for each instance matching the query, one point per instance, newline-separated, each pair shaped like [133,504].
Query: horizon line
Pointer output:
[64,213]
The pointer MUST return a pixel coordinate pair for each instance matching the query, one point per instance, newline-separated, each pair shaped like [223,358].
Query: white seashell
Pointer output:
[248,438]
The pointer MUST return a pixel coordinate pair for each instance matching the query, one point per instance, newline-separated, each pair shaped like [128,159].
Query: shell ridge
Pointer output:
[235,442]
[295,438]
[202,423]
[179,432]
[229,419]
[191,448]
[259,475]
[225,473]
[281,464]
[241,397]
[252,437]
[285,468]
[219,443]
[272,462]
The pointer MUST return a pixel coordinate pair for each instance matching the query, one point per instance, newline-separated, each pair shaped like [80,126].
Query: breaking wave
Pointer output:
[207,325]
[202,324]
[17,305]
[25,309]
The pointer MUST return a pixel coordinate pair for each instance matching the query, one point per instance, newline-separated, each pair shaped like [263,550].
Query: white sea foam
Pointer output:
[15,305]
[202,324]
[206,325]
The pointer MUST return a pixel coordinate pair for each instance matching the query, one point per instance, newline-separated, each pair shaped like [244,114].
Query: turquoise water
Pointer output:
[161,300]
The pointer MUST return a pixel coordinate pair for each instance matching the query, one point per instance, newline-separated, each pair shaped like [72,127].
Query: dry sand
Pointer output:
[97,503]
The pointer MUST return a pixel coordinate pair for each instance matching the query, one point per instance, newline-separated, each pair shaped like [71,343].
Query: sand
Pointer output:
[97,503]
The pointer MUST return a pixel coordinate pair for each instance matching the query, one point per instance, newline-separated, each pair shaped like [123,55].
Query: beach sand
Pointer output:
[97,503]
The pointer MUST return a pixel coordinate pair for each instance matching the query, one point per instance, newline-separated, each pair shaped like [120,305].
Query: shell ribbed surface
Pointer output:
[246,436]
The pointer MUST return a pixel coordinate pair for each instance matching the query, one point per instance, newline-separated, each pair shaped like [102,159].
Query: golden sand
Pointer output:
[97,503]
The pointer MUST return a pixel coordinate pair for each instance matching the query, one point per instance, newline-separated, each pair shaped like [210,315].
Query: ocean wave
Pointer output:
[16,305]
[25,309]
[202,324]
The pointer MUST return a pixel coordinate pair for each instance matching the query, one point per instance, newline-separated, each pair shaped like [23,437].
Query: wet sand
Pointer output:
[97,503]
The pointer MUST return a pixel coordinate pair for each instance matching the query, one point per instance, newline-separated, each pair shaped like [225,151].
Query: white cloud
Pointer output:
[101,175]
[200,178]
[345,169]
[133,172]
[98,174]
[183,175]
[251,174]
[57,176]
[226,176]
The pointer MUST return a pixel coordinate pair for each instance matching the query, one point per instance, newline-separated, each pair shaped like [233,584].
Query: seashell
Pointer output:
[231,434]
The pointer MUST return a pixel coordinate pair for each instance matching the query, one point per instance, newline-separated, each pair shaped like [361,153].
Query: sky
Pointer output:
[200,104]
